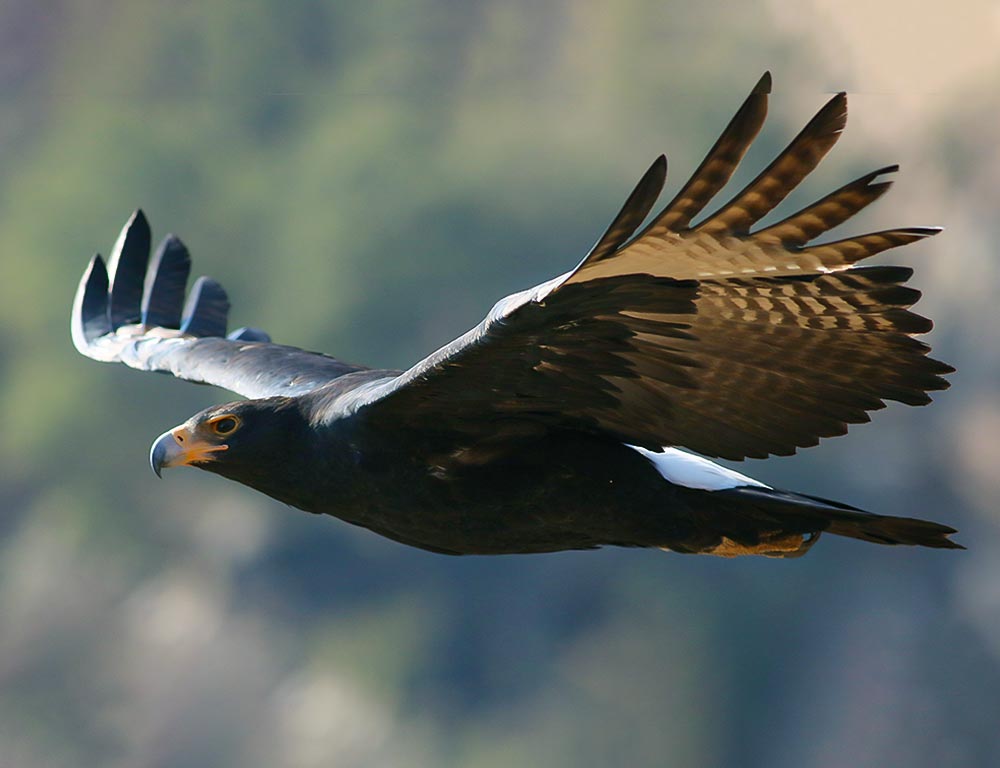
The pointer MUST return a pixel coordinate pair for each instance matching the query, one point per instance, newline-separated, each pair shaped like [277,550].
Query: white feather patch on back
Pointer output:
[692,471]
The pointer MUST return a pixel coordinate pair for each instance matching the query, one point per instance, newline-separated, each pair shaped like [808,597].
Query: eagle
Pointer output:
[583,412]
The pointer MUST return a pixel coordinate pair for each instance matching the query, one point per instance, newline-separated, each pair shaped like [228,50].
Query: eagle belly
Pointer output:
[576,491]
[559,492]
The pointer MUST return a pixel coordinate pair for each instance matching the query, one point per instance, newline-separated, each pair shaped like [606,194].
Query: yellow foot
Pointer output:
[775,545]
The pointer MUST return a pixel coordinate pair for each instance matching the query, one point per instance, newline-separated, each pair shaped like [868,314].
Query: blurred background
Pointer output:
[367,178]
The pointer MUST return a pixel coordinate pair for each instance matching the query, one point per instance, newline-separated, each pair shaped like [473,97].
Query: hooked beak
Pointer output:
[178,447]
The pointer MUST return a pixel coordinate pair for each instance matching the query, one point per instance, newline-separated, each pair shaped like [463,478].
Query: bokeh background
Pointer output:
[366,178]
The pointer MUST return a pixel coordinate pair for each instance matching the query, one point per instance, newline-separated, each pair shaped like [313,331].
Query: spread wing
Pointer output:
[134,311]
[730,341]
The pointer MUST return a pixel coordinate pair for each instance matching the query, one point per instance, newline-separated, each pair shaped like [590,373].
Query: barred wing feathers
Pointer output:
[708,335]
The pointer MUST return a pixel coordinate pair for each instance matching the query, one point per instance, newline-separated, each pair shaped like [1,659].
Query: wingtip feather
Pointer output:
[633,212]
[207,309]
[660,163]
[90,320]
[127,270]
[885,170]
[166,278]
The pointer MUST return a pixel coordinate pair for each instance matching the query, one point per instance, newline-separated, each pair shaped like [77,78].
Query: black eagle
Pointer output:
[544,427]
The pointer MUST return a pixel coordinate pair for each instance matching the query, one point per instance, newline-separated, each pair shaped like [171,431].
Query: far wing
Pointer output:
[710,336]
[134,312]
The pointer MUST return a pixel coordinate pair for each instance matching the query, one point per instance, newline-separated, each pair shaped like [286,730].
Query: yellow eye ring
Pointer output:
[224,425]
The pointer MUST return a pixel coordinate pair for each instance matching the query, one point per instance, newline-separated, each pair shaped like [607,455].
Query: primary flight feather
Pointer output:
[556,422]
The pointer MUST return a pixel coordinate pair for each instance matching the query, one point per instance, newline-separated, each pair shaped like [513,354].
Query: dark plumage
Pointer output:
[543,427]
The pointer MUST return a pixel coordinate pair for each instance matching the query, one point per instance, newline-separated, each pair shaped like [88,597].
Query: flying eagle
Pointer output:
[558,421]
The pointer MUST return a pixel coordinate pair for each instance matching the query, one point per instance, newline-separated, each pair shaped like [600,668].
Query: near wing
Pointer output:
[727,341]
[134,312]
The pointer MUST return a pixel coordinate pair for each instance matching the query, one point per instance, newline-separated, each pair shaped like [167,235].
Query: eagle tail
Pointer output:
[885,529]
[801,513]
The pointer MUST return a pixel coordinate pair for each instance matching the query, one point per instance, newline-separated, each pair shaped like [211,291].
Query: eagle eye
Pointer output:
[224,425]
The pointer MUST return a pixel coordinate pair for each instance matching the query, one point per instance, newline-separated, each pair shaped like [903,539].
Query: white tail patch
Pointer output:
[692,471]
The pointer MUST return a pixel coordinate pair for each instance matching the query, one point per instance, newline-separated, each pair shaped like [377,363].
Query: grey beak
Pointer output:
[164,451]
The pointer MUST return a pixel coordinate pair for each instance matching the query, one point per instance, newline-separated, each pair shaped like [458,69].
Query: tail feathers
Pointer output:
[881,529]
[796,512]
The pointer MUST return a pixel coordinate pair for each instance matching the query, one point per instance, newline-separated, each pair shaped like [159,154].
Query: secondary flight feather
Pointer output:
[556,422]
